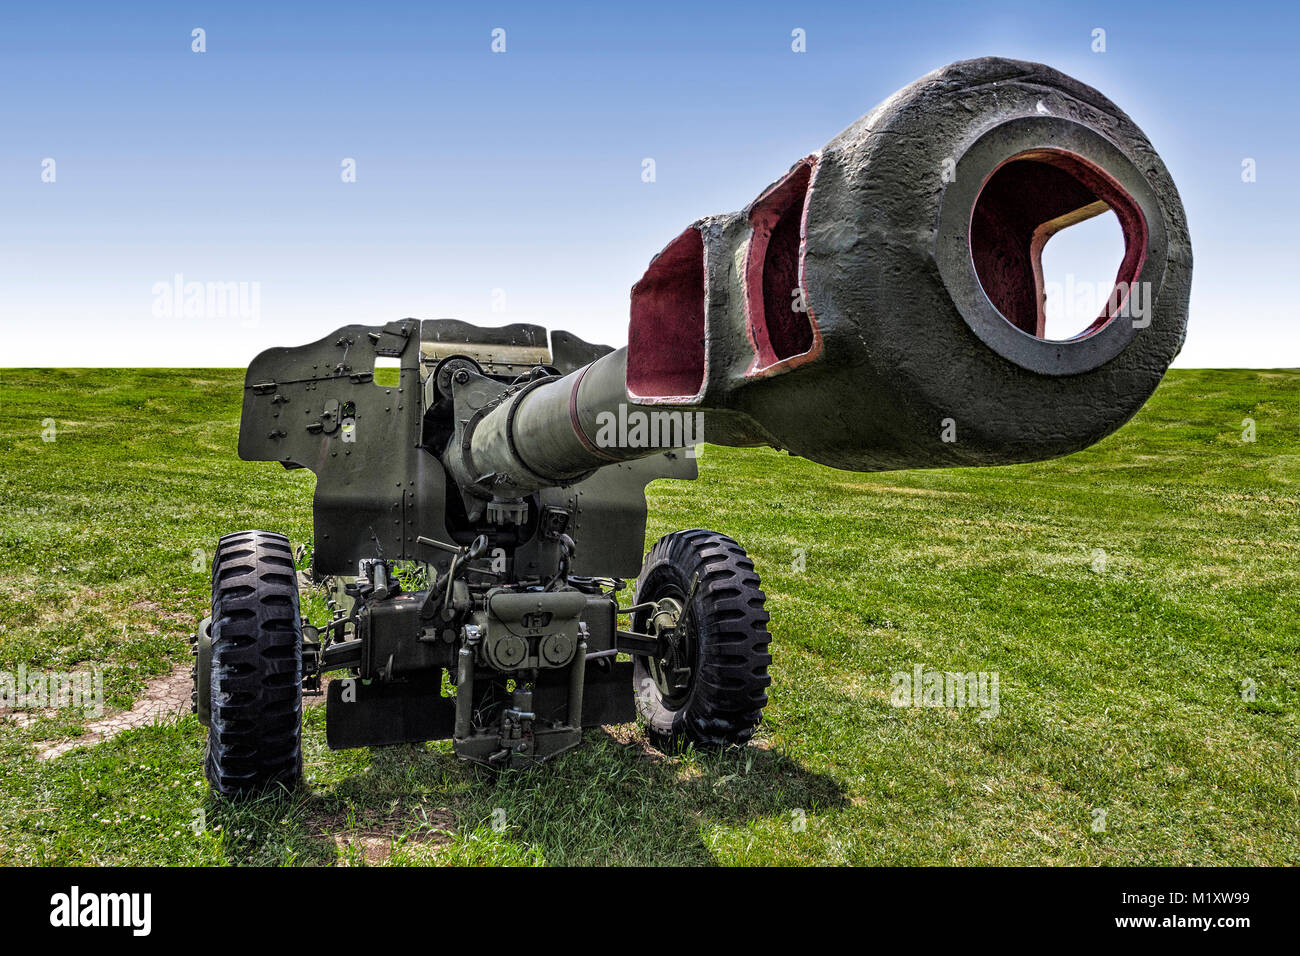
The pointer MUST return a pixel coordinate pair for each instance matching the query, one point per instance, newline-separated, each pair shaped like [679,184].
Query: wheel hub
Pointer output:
[673,669]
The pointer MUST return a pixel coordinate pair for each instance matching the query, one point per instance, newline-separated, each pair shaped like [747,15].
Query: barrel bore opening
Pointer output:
[1079,267]
[1025,201]
[665,345]
[777,314]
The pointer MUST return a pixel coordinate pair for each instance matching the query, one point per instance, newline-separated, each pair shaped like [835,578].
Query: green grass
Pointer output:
[1120,676]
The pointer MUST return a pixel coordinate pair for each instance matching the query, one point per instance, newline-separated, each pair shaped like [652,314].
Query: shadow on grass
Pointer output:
[612,801]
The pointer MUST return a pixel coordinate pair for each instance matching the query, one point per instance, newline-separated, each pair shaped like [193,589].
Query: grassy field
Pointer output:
[1132,600]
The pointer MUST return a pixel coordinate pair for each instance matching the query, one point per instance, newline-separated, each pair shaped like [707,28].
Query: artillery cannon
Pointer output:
[475,516]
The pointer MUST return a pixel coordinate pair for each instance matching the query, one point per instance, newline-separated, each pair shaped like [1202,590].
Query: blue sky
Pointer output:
[507,187]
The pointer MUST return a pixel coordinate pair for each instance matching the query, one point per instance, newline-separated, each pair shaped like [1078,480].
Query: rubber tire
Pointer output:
[729,680]
[255,732]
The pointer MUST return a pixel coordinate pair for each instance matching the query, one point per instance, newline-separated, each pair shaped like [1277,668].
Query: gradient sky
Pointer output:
[521,172]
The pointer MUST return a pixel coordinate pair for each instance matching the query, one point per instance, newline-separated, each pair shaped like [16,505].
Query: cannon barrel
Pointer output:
[881,306]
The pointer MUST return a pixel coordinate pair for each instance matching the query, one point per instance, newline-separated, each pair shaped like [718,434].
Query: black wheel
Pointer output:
[255,726]
[710,686]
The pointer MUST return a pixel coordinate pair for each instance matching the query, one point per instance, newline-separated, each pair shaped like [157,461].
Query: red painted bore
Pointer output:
[1023,203]
[778,317]
[665,344]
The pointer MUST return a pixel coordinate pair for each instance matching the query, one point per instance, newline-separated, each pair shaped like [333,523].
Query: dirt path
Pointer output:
[163,697]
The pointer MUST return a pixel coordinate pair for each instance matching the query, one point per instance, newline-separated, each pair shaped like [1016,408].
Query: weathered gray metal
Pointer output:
[877,241]
[880,306]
